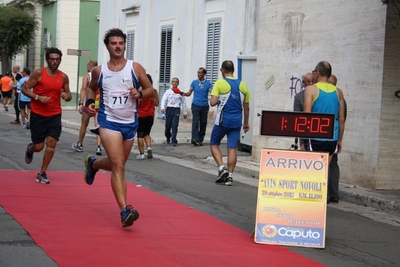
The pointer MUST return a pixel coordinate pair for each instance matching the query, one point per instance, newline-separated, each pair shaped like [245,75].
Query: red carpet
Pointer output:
[79,225]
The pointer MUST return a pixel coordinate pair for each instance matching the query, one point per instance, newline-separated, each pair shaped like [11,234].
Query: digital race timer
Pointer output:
[297,124]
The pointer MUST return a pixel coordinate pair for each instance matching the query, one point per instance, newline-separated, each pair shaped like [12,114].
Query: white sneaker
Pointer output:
[141,157]
[98,151]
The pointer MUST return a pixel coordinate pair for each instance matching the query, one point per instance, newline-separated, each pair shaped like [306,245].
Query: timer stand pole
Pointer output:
[295,145]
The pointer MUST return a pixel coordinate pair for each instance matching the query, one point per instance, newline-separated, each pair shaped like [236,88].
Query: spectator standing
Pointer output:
[6,89]
[24,101]
[200,107]
[334,170]
[146,120]
[171,104]
[298,104]
[17,76]
[324,97]
[232,97]
[49,84]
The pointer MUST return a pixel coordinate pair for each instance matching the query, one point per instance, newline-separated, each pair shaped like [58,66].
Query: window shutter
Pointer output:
[213,49]
[130,44]
[165,62]
[165,54]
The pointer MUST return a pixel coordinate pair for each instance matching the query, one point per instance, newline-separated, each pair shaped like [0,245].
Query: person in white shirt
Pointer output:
[171,103]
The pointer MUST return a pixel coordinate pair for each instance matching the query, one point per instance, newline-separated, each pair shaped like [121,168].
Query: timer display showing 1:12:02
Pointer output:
[297,124]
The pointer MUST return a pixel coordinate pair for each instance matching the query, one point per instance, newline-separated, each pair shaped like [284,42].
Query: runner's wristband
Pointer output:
[89,101]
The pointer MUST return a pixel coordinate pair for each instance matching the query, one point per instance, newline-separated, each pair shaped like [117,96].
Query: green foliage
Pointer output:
[17,29]
[395,4]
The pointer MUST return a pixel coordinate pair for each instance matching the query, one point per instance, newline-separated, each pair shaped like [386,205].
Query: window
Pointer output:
[213,47]
[165,54]
[130,44]
[165,62]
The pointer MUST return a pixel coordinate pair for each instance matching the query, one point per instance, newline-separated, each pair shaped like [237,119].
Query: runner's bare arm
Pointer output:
[147,88]
[66,92]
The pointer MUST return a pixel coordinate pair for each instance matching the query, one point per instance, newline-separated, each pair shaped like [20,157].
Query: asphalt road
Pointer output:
[352,240]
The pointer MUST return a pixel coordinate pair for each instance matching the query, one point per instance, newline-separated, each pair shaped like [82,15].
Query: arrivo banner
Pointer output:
[292,195]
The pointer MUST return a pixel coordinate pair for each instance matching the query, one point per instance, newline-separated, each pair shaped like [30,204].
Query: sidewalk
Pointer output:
[381,200]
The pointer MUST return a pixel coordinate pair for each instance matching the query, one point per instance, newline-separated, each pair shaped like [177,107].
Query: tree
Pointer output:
[17,31]
[395,4]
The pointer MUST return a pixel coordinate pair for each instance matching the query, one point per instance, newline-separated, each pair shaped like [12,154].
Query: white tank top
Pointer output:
[115,102]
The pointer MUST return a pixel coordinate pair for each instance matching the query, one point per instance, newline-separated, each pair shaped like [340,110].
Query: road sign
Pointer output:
[78,52]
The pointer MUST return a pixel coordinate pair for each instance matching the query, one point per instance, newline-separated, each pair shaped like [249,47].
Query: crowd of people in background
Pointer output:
[37,105]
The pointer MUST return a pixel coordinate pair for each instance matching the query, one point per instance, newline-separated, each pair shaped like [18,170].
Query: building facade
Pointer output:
[67,25]
[287,38]
[174,38]
[356,38]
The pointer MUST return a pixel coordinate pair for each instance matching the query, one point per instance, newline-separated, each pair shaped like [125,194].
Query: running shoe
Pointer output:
[42,178]
[28,154]
[141,157]
[89,173]
[229,181]
[23,126]
[15,122]
[6,109]
[222,175]
[128,216]
[98,151]
[195,143]
[149,153]
[77,146]
[174,144]
[28,125]
[95,130]
[168,141]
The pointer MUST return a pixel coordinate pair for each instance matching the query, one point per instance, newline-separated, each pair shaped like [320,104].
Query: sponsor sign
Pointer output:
[292,194]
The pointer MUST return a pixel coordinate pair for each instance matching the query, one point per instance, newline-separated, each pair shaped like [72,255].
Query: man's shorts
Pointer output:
[128,131]
[42,127]
[323,146]
[7,94]
[145,125]
[232,134]
[24,104]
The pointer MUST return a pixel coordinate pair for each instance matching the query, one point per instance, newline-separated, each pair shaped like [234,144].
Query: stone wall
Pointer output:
[352,35]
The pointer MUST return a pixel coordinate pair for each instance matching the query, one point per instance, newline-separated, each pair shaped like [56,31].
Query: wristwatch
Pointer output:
[36,97]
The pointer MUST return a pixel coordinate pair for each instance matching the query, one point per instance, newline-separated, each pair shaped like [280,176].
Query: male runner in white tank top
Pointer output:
[118,80]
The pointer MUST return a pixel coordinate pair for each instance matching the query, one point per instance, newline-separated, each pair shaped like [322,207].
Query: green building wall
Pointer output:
[49,21]
[88,36]
[88,31]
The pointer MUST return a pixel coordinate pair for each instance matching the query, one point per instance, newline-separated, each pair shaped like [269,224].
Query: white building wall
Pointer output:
[293,37]
[189,20]
[289,39]
[68,38]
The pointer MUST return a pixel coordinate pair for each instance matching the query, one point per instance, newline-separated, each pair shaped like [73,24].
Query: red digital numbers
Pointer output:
[326,123]
[298,124]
